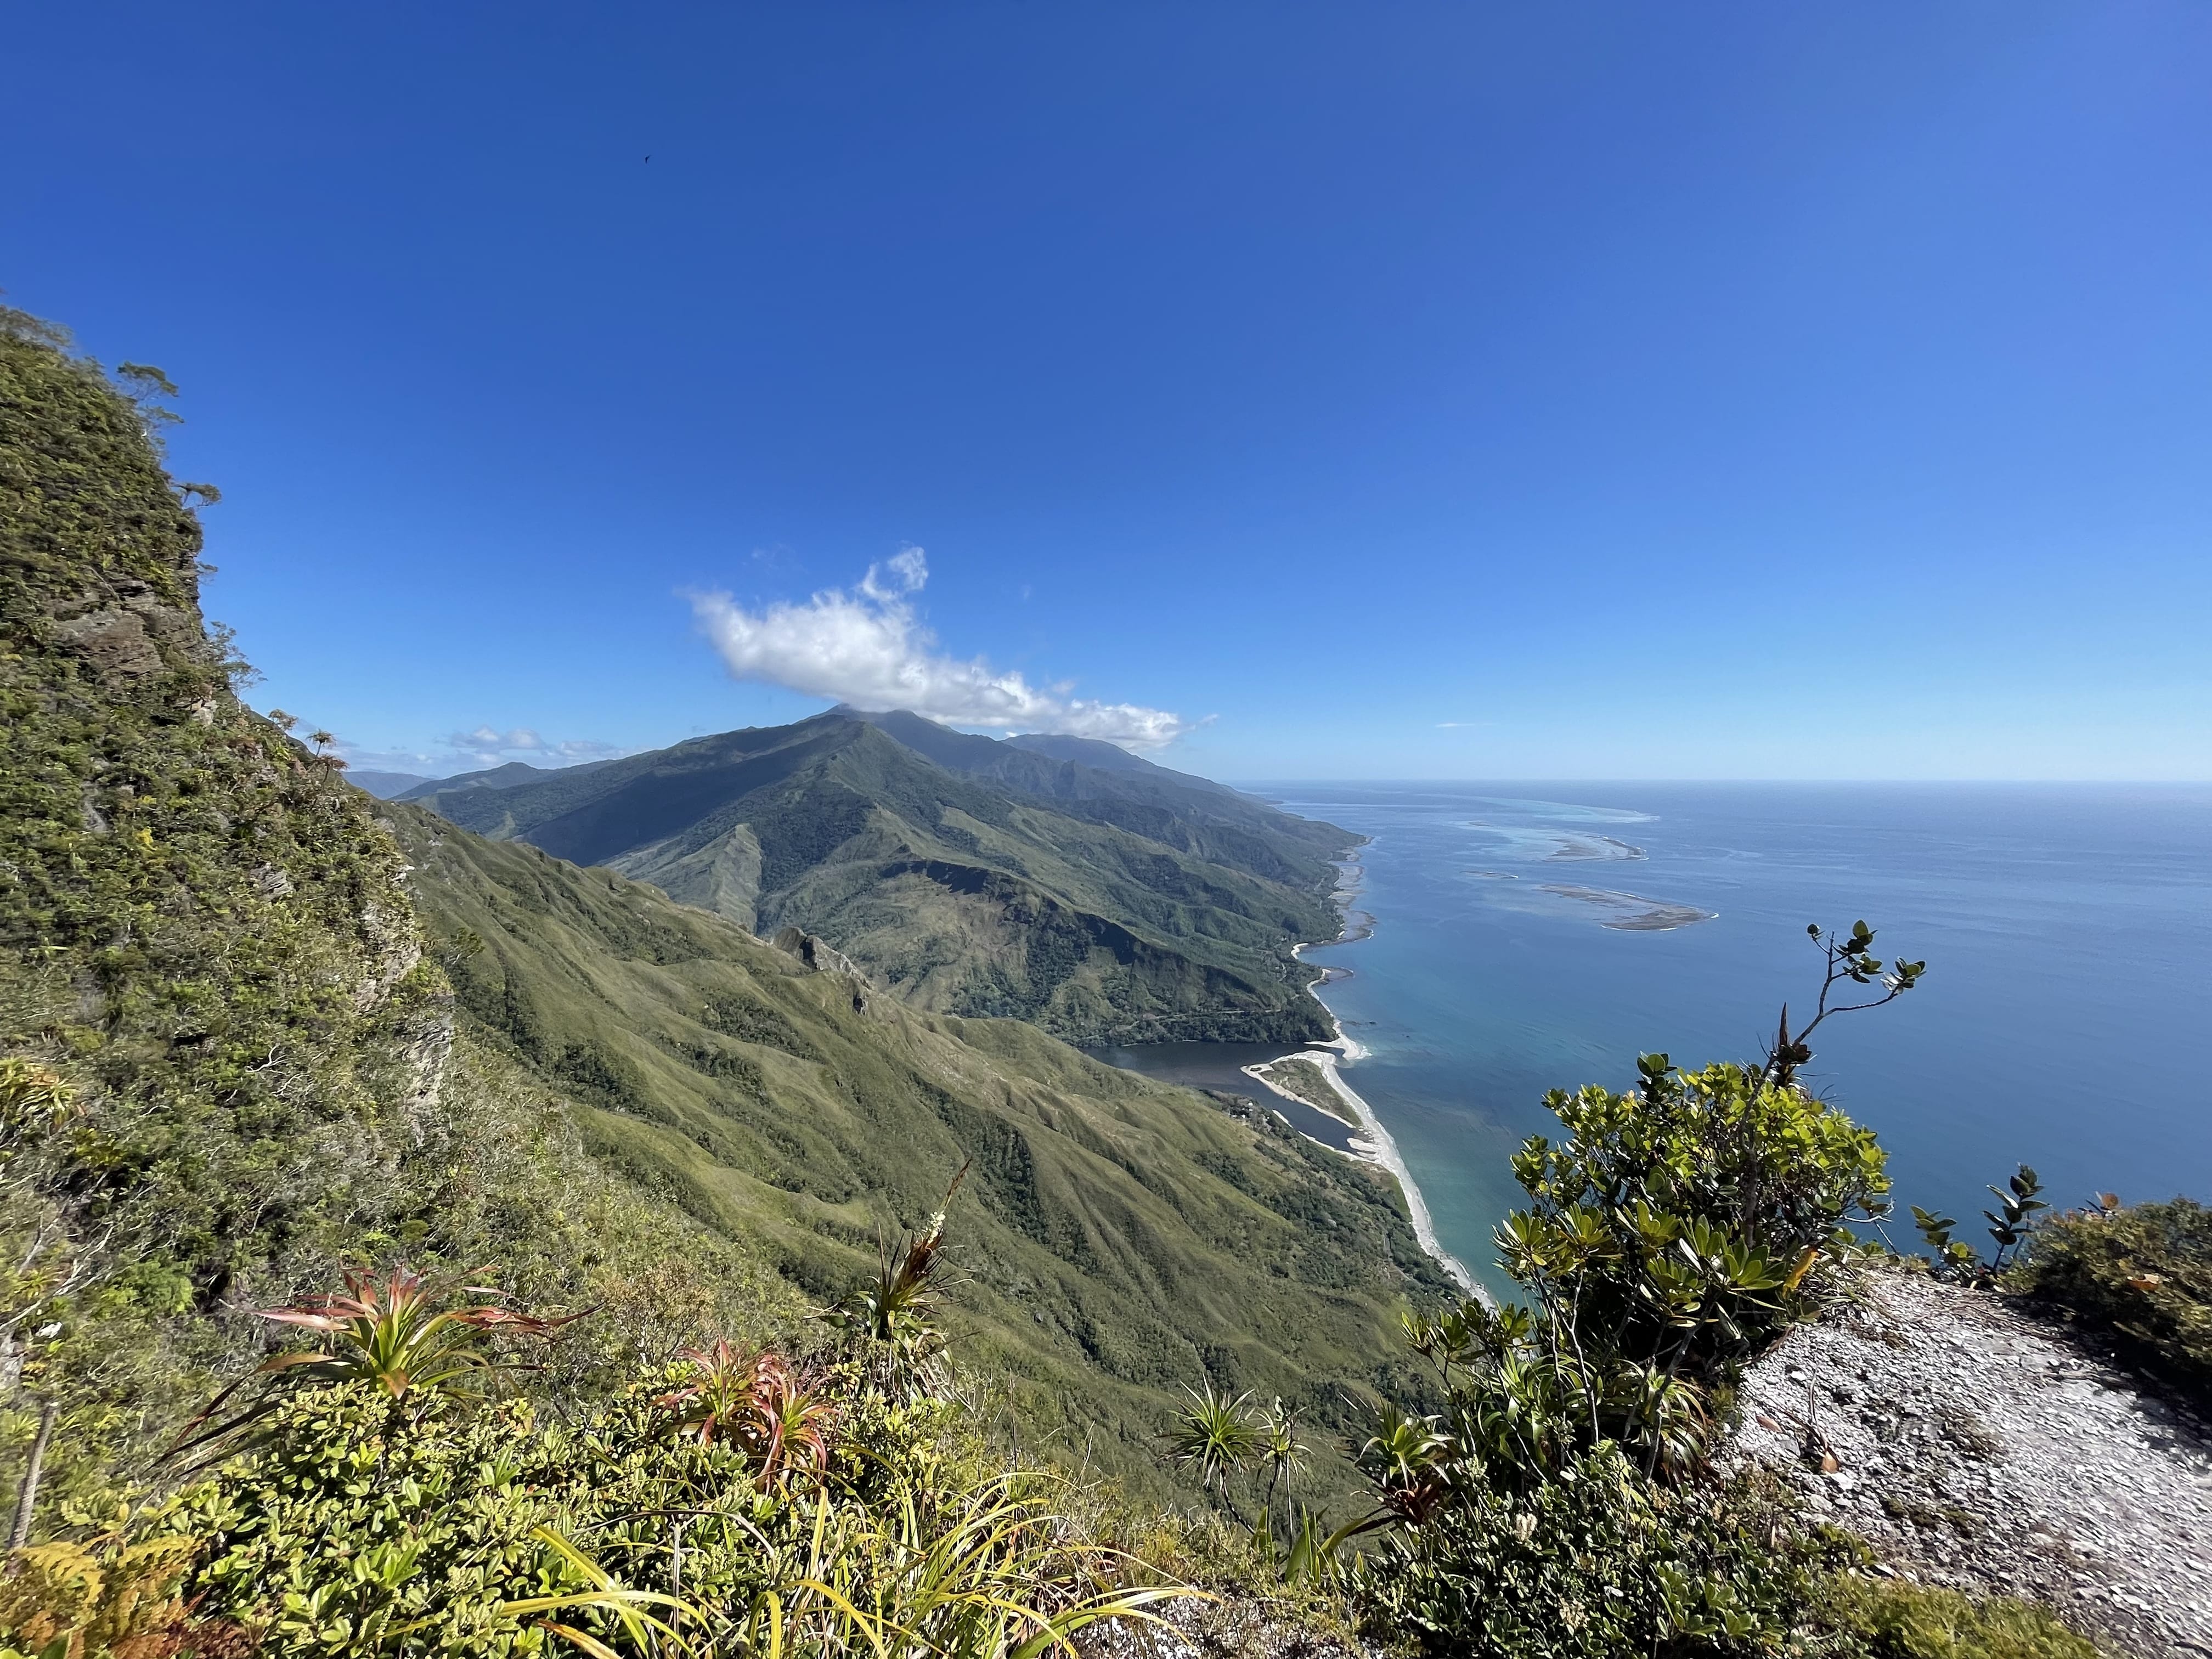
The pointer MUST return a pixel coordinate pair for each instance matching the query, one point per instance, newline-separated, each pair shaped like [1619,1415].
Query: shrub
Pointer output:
[1890,1619]
[1676,1229]
[2142,1277]
[371,1525]
[103,1595]
[1690,1213]
[1602,1560]
[1561,1504]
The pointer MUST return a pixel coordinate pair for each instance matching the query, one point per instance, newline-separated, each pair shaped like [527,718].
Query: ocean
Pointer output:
[1532,936]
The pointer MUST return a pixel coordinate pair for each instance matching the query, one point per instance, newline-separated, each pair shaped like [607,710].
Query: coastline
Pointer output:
[1381,1148]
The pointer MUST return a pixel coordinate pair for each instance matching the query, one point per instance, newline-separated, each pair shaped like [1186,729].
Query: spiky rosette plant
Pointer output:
[892,1321]
[1214,1436]
[392,1331]
[760,1401]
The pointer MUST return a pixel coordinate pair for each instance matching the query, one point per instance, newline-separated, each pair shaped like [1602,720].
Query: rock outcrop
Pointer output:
[1978,1448]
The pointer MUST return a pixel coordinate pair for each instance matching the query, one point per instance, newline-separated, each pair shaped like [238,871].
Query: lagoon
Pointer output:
[1533,936]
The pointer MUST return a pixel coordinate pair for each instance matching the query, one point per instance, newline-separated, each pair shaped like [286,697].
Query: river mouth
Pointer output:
[1219,1066]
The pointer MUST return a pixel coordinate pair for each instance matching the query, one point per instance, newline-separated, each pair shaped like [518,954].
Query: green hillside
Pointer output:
[1118,1239]
[227,1067]
[234,1058]
[1117,902]
[258,1028]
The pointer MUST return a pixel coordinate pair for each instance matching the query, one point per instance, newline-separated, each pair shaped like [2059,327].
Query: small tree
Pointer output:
[1280,1449]
[893,1321]
[2011,1228]
[1678,1220]
[1951,1258]
[1675,1228]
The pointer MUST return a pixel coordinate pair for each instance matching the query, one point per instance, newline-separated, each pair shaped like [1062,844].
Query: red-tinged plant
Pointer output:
[389,1331]
[392,1332]
[757,1400]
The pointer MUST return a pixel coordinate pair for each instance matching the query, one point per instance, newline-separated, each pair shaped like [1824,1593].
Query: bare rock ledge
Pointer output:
[1975,1447]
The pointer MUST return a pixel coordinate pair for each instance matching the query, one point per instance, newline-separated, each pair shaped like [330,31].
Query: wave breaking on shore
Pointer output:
[1373,1144]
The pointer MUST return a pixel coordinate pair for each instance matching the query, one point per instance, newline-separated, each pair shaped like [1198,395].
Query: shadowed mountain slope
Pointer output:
[1118,1238]
[511,776]
[385,786]
[969,876]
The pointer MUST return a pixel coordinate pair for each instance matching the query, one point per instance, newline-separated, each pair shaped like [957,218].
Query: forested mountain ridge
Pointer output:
[508,777]
[385,785]
[1120,902]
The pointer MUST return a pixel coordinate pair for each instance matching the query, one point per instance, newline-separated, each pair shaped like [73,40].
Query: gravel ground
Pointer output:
[1226,1629]
[1976,1447]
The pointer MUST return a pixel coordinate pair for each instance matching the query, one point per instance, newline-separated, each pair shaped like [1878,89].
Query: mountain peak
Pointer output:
[1103,896]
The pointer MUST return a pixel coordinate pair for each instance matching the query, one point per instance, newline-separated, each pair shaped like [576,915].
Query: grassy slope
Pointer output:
[206,937]
[1097,906]
[212,940]
[1118,1238]
[199,920]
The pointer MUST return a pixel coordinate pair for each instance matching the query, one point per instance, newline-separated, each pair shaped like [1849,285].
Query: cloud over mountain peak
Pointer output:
[866,647]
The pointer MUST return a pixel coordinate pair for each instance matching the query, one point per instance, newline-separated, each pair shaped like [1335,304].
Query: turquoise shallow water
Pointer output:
[2063,1020]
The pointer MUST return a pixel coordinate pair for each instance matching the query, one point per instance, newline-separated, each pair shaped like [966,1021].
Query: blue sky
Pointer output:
[1399,390]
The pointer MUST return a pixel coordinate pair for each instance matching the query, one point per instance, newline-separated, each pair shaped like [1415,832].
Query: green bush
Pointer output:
[1690,1214]
[1562,1504]
[2142,1277]
[1600,1561]
[1677,1229]
[1890,1619]
[368,1525]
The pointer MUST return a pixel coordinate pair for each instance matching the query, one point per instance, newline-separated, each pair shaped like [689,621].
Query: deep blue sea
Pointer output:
[2063,1021]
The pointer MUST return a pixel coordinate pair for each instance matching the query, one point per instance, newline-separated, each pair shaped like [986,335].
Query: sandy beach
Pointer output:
[1375,1144]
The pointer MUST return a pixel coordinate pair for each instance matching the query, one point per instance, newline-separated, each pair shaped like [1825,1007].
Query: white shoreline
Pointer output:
[1384,1150]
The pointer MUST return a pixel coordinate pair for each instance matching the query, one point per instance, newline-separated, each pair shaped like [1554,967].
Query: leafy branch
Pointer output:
[1849,960]
[2010,1225]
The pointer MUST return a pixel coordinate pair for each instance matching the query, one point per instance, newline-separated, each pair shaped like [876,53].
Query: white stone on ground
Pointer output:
[1981,1448]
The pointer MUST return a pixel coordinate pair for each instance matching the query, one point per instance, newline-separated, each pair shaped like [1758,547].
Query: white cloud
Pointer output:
[866,648]
[471,751]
